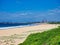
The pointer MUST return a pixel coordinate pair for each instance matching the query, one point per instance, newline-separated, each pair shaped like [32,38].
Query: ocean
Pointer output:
[6,26]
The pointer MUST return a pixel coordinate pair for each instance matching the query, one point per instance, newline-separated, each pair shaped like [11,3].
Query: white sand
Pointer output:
[25,31]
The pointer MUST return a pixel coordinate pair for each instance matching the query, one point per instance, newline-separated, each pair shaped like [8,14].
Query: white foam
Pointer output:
[13,27]
[17,26]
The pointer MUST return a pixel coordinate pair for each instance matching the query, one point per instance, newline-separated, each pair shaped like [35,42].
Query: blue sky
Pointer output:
[29,10]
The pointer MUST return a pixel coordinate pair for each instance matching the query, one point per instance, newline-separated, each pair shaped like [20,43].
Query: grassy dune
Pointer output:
[51,37]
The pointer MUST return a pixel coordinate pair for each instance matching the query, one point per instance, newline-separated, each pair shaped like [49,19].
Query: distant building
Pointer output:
[44,21]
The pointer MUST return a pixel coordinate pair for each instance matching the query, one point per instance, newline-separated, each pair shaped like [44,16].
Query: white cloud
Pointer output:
[54,13]
[15,15]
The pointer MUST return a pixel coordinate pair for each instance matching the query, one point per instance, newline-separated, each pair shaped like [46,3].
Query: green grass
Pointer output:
[51,37]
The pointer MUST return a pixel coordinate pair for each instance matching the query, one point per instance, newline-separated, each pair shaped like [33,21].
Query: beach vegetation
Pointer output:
[50,37]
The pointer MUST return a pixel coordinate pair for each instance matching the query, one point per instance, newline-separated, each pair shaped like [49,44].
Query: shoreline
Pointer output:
[13,30]
[22,26]
[19,26]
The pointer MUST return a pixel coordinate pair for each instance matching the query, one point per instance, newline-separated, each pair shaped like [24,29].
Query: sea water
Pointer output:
[7,26]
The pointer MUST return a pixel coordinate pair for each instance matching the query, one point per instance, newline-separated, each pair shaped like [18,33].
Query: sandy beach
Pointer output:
[25,31]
